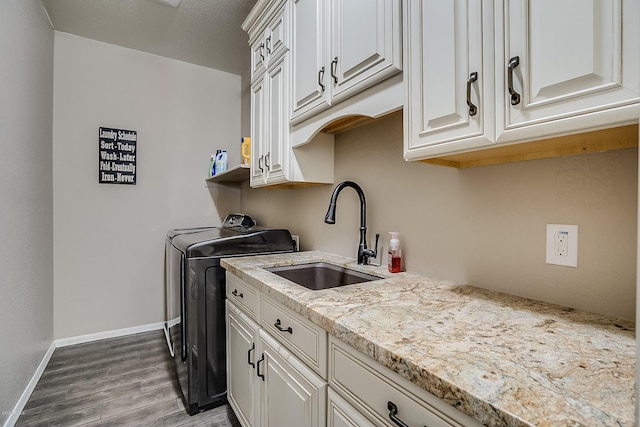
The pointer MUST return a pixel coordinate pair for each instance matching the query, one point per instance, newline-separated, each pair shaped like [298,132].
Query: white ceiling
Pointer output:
[203,32]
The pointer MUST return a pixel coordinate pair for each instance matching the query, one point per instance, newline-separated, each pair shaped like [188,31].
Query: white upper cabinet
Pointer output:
[309,46]
[574,64]
[258,132]
[366,44]
[268,125]
[273,161]
[448,76]
[340,48]
[278,130]
[479,72]
[269,44]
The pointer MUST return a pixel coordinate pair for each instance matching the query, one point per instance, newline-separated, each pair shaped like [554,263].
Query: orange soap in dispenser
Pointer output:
[394,258]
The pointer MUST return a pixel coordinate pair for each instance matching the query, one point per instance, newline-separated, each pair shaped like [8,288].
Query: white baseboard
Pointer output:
[64,342]
[24,397]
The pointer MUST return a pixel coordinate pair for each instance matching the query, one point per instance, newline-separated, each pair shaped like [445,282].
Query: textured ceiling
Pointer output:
[203,32]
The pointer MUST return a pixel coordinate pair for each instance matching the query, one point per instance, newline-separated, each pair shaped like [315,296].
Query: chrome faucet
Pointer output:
[363,253]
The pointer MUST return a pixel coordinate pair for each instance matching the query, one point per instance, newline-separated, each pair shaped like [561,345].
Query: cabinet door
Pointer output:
[258,58]
[258,131]
[278,124]
[366,44]
[291,394]
[242,337]
[275,42]
[448,60]
[570,63]
[309,45]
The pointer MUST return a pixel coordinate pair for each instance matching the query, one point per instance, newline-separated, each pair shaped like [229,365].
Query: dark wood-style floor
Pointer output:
[125,381]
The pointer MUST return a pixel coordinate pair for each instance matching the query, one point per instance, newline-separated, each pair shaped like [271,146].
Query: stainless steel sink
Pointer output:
[321,275]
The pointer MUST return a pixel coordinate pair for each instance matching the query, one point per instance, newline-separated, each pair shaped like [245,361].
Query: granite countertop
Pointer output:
[504,360]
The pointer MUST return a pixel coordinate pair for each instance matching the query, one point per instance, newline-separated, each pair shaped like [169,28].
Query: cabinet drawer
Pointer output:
[372,387]
[244,295]
[303,338]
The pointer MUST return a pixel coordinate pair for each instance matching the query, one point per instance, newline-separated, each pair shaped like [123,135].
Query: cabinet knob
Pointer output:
[235,293]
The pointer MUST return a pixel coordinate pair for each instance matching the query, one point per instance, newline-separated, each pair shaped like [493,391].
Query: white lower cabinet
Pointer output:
[242,382]
[383,396]
[285,371]
[291,395]
[267,383]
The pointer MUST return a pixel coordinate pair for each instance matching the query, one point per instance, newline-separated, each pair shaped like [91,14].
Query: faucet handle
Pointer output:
[373,253]
[375,248]
[369,253]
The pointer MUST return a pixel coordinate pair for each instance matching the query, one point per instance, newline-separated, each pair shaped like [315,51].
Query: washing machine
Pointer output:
[195,294]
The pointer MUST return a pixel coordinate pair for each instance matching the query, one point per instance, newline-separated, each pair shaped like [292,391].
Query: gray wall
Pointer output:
[484,226]
[109,239]
[26,237]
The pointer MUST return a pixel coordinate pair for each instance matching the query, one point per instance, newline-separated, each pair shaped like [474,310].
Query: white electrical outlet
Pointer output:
[562,244]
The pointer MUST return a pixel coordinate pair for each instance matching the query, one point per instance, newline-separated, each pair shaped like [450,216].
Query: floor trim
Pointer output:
[31,385]
[64,342]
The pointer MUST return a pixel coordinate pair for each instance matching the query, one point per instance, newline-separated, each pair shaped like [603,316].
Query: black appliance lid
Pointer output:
[178,231]
[219,242]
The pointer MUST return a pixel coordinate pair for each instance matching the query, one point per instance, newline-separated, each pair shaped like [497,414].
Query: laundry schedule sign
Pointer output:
[117,156]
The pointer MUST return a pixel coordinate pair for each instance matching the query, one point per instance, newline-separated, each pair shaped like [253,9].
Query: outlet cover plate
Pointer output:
[562,245]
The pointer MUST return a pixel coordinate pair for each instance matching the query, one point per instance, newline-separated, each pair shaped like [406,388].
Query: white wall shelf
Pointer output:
[236,174]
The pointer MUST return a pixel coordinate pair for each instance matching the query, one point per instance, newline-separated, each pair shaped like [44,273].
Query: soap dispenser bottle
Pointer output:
[394,258]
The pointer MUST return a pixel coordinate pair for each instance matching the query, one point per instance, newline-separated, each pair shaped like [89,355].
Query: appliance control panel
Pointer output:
[238,220]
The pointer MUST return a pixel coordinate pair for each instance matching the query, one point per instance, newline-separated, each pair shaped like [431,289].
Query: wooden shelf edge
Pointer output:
[583,143]
[236,174]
